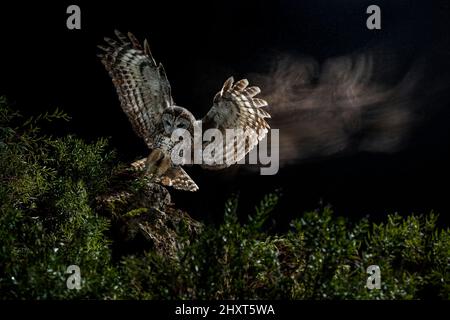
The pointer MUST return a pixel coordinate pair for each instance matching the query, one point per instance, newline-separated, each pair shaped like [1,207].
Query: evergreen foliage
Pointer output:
[49,219]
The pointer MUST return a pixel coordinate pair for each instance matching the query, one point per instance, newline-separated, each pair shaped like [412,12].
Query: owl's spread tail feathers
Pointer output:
[174,177]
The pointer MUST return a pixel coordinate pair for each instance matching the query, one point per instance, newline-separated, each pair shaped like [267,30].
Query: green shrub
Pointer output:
[49,219]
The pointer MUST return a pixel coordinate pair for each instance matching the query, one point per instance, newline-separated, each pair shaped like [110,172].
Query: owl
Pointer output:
[145,97]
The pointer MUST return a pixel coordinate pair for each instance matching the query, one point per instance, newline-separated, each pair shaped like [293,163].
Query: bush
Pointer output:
[50,219]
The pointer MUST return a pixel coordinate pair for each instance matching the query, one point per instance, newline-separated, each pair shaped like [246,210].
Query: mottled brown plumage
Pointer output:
[146,99]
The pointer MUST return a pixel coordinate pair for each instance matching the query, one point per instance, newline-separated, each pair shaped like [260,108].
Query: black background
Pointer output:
[44,65]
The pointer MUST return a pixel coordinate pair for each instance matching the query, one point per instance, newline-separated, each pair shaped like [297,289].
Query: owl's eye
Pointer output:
[182,125]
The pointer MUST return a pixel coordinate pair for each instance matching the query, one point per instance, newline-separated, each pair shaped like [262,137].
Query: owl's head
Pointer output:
[176,117]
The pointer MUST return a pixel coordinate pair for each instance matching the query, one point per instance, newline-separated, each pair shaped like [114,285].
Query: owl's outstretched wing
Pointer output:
[235,107]
[141,84]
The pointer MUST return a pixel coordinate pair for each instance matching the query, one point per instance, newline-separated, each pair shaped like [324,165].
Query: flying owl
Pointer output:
[146,99]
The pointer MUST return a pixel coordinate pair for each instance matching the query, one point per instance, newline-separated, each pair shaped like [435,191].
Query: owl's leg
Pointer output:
[157,163]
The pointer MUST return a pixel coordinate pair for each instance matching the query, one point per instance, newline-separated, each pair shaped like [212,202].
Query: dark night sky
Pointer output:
[43,65]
